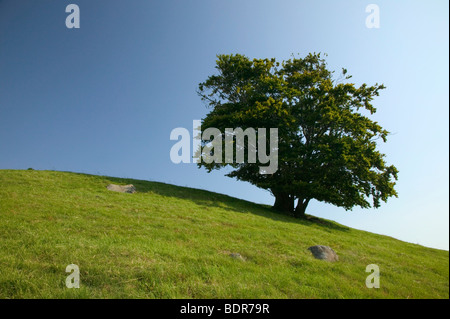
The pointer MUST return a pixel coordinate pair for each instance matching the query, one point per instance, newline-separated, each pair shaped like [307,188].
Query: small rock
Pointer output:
[237,256]
[324,253]
[122,189]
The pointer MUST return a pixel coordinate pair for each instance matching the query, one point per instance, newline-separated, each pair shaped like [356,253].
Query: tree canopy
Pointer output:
[327,147]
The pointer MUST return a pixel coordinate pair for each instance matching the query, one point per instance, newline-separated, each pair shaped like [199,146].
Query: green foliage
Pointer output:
[167,241]
[327,148]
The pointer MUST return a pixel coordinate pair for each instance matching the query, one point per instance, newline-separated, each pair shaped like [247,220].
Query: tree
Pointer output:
[327,147]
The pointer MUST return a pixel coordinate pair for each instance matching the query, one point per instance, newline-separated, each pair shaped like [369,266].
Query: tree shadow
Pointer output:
[208,199]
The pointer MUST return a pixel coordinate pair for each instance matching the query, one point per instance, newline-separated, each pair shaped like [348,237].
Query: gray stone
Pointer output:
[237,256]
[324,253]
[122,189]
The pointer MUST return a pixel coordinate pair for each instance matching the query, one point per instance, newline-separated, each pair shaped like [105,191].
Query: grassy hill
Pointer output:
[167,241]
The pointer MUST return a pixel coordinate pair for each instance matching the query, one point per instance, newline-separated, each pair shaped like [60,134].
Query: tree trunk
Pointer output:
[283,202]
[301,208]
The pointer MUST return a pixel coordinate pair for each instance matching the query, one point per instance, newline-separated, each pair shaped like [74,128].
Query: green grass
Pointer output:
[173,242]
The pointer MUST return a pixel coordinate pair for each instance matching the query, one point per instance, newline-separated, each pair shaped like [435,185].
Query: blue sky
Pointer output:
[103,99]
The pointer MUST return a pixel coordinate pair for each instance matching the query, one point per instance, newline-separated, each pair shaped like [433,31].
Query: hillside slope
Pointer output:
[173,242]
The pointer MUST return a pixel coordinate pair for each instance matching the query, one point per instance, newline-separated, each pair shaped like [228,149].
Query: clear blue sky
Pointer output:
[104,98]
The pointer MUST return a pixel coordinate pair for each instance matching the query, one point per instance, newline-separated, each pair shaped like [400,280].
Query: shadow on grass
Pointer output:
[209,199]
